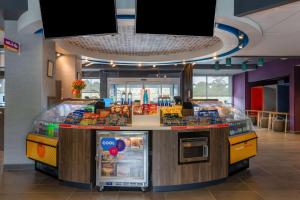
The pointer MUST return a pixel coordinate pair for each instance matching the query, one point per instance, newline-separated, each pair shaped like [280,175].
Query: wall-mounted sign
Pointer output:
[108,143]
[120,145]
[11,45]
[113,151]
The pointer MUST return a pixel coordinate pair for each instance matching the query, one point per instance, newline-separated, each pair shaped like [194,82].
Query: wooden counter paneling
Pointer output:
[167,172]
[75,154]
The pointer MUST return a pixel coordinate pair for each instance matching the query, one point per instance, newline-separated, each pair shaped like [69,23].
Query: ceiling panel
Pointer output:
[281,32]
[129,43]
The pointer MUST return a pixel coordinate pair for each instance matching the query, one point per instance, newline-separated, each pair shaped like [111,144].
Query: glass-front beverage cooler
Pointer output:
[122,159]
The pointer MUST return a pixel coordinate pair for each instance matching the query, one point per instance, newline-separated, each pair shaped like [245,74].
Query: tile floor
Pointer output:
[274,175]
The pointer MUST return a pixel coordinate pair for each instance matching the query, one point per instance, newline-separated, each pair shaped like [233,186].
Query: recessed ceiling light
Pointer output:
[111,62]
[284,58]
[154,66]
[58,54]
[140,64]
[183,62]
[114,65]
[215,57]
[241,36]
[241,46]
[89,64]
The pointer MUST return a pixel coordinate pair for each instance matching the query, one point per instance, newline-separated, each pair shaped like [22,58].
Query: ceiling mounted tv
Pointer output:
[176,17]
[64,18]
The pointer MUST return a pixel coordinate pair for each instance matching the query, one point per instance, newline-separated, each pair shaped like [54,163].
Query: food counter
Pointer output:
[117,148]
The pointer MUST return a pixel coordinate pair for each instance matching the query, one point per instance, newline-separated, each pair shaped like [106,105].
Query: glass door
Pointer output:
[122,159]
[155,91]
[136,89]
[168,87]
[116,91]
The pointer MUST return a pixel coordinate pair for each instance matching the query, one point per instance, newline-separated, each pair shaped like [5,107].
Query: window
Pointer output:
[156,86]
[92,89]
[212,87]
[199,87]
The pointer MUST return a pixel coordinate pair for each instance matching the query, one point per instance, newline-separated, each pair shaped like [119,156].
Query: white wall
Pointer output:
[48,82]
[67,67]
[26,89]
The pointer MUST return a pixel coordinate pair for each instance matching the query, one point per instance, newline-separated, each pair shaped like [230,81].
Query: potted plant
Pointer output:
[77,86]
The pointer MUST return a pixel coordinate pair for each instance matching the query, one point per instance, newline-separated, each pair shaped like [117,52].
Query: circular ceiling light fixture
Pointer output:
[260,62]
[217,65]
[101,53]
[244,67]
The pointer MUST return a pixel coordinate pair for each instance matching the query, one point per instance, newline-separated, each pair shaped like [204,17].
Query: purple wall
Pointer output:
[274,69]
[271,70]
[239,84]
[295,100]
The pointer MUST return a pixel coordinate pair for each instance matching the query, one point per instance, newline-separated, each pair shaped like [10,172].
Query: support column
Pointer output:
[1,20]
[103,84]
[241,91]
[294,100]
[187,82]
[27,87]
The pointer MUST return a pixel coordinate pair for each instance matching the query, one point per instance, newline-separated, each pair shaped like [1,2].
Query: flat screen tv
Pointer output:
[64,18]
[176,17]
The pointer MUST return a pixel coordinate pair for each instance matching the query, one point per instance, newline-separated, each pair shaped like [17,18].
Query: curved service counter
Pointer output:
[158,158]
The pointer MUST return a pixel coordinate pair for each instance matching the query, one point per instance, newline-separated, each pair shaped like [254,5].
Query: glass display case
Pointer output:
[207,113]
[217,113]
[47,123]
[122,159]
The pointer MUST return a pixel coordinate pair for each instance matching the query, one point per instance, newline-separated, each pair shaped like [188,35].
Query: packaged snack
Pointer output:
[109,169]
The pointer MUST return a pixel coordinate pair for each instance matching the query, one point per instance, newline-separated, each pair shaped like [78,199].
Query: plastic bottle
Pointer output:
[145,98]
[129,98]
[123,98]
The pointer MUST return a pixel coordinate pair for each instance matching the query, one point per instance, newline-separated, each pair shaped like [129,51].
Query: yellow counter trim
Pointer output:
[42,139]
[241,138]
[242,147]
[42,153]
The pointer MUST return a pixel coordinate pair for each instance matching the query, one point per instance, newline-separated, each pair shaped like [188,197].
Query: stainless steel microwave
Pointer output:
[193,150]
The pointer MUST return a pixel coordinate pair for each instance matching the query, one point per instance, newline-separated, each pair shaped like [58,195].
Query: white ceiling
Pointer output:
[281,32]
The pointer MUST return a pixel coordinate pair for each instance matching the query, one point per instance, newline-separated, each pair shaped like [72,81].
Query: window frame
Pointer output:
[90,92]
[230,87]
